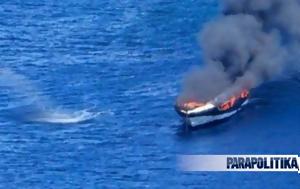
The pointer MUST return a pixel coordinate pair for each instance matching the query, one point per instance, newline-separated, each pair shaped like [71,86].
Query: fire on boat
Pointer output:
[201,113]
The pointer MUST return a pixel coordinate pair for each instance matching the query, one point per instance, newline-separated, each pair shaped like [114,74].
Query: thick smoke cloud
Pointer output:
[252,42]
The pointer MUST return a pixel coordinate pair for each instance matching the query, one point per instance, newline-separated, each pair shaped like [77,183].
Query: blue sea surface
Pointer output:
[87,90]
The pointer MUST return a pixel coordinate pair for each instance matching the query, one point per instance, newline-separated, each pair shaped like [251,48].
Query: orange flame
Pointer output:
[244,93]
[190,105]
[231,102]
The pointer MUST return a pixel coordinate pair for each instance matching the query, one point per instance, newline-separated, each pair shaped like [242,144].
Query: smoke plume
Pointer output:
[253,41]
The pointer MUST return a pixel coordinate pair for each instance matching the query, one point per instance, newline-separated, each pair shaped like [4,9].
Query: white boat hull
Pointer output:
[202,120]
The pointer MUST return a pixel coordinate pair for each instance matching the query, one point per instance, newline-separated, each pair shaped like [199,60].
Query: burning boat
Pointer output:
[197,113]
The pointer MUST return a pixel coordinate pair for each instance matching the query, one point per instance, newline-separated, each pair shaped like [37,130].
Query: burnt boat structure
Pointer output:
[197,114]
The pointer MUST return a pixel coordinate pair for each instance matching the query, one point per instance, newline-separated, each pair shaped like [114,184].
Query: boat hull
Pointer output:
[198,119]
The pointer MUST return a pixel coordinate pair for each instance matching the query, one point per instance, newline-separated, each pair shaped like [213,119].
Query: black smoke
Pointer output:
[252,42]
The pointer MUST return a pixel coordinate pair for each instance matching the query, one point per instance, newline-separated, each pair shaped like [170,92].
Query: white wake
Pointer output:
[31,105]
[61,117]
